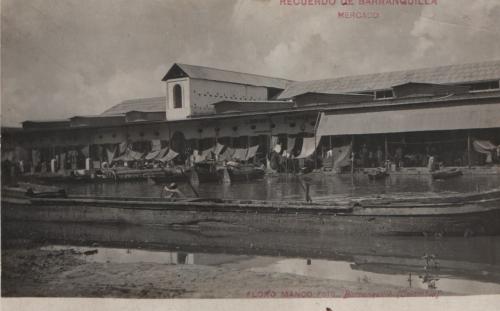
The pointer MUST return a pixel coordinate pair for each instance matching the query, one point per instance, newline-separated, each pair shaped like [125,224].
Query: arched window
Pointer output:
[177,96]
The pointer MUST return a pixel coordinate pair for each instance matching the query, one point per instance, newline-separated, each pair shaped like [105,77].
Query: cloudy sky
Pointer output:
[79,57]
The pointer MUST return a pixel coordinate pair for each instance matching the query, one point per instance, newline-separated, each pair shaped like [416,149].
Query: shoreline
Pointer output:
[29,271]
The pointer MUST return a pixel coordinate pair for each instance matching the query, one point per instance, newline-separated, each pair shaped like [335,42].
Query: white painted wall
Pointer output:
[185,111]
[199,95]
[203,93]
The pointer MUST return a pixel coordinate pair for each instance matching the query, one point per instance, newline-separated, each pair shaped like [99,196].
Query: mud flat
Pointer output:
[32,270]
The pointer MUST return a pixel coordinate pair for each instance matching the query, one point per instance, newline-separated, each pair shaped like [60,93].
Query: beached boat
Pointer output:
[243,172]
[446,173]
[377,174]
[114,175]
[465,214]
[170,175]
[206,171]
[209,171]
[28,190]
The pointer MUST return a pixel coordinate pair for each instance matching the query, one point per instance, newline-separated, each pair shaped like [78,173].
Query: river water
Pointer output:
[457,265]
[290,187]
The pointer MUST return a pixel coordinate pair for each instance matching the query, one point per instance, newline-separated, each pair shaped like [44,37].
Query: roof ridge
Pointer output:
[142,99]
[400,71]
[234,71]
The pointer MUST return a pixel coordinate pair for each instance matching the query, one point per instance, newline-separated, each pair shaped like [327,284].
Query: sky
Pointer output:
[62,58]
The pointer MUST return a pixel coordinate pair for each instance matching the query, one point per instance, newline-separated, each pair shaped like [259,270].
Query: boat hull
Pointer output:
[377,176]
[475,218]
[446,174]
[244,173]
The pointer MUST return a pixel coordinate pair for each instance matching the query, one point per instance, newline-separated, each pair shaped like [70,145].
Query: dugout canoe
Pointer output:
[243,172]
[377,174]
[116,175]
[446,174]
[466,214]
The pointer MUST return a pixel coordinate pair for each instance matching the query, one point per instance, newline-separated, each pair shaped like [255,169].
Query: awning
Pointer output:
[227,154]
[162,153]
[122,147]
[338,157]
[252,151]
[169,156]
[240,154]
[110,153]
[218,149]
[152,155]
[483,146]
[204,155]
[410,120]
[308,146]
[129,155]
[207,153]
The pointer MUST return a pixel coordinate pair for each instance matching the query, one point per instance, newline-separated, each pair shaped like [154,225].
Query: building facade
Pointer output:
[452,112]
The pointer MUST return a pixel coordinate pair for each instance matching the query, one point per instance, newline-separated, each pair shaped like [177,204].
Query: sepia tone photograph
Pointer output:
[252,149]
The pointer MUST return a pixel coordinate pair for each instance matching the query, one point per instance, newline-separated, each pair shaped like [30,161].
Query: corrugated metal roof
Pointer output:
[489,70]
[153,104]
[214,74]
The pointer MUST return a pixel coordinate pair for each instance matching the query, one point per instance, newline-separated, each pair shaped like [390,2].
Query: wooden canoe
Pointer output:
[446,173]
[244,172]
[469,215]
[377,175]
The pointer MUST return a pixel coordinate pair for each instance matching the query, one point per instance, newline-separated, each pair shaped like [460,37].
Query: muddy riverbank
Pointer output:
[32,270]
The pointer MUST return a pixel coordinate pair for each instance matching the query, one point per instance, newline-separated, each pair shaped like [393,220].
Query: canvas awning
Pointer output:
[240,154]
[309,144]
[110,153]
[218,149]
[129,155]
[162,153]
[204,155]
[227,154]
[410,120]
[169,156]
[152,155]
[483,146]
[122,147]
[338,157]
[252,151]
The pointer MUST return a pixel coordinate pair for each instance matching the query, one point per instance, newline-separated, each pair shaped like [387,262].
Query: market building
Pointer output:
[343,124]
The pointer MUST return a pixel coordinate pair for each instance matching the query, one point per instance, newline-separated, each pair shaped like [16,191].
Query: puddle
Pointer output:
[409,273]
[121,255]
[349,271]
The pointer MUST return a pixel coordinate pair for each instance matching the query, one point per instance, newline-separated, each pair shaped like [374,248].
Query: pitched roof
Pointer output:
[483,71]
[207,73]
[153,104]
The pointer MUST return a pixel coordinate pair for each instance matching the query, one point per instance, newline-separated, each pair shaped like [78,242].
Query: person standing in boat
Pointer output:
[172,191]
[431,165]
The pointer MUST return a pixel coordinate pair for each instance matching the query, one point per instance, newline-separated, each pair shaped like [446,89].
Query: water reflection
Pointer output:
[318,268]
[288,187]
